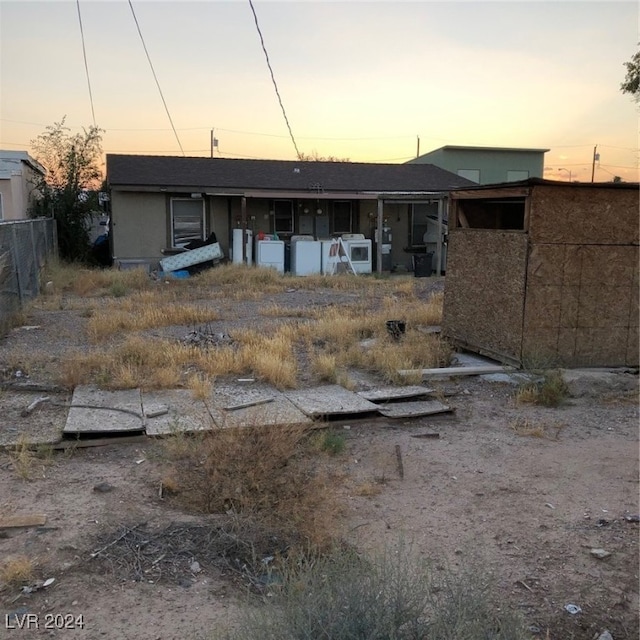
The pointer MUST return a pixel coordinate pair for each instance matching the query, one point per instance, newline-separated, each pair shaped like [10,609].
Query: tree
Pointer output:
[314,156]
[69,188]
[631,84]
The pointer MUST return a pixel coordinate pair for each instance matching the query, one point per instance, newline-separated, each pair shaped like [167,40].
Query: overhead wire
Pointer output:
[273,79]
[155,77]
[86,66]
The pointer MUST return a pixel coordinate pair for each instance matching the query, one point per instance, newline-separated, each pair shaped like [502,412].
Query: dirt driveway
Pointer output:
[475,488]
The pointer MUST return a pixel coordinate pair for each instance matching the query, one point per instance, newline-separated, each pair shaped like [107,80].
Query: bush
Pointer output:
[392,597]
[550,391]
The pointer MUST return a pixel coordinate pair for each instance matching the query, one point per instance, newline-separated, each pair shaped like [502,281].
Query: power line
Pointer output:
[273,79]
[155,77]
[86,66]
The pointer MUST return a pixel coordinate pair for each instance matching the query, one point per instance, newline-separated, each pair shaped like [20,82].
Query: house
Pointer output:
[487,165]
[160,203]
[545,273]
[20,175]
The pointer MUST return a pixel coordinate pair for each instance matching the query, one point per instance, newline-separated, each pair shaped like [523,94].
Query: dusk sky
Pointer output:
[359,80]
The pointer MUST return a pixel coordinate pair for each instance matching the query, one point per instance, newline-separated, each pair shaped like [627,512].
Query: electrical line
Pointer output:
[155,77]
[273,79]
[86,66]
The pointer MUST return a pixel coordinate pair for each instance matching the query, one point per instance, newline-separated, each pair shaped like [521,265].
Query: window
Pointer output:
[423,214]
[470,174]
[515,176]
[342,216]
[187,221]
[492,213]
[283,216]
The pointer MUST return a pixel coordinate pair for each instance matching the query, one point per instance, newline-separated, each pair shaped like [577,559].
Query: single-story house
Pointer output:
[487,165]
[20,176]
[543,273]
[160,203]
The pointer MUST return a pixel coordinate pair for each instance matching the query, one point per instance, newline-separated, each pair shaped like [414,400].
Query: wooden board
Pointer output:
[329,400]
[111,411]
[382,394]
[12,522]
[184,413]
[234,405]
[446,372]
[413,409]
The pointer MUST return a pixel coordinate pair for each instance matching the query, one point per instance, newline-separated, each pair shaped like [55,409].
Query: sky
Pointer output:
[369,81]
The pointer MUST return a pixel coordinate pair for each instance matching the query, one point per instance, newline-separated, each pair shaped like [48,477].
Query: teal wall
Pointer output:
[493,164]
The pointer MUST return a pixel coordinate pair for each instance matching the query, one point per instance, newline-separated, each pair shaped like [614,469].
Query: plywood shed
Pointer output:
[544,273]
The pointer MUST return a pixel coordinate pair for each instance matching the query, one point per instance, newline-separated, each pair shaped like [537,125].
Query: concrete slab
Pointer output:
[382,394]
[329,400]
[234,405]
[183,414]
[413,409]
[96,411]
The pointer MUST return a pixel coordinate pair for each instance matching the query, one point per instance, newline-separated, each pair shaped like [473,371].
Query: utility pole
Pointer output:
[593,164]
[418,149]
[212,143]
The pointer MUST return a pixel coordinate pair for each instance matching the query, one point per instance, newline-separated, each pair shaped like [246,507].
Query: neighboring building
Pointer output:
[160,203]
[19,177]
[545,273]
[487,165]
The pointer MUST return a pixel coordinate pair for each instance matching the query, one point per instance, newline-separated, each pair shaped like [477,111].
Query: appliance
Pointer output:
[270,253]
[385,247]
[236,253]
[325,246]
[306,255]
[358,249]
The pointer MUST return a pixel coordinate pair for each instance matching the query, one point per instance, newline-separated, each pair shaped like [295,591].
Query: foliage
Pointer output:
[631,84]
[395,596]
[68,190]
[314,156]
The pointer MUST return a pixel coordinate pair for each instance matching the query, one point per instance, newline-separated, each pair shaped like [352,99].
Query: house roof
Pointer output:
[130,171]
[453,147]
[10,159]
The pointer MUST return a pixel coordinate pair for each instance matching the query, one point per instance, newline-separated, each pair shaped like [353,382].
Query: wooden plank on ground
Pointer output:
[447,372]
[13,522]
[382,394]
[174,410]
[94,410]
[329,400]
[413,409]
[239,405]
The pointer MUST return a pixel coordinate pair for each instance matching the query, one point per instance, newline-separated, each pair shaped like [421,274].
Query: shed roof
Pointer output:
[308,176]
[532,182]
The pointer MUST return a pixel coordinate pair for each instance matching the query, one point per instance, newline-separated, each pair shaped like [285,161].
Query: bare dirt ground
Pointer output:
[528,509]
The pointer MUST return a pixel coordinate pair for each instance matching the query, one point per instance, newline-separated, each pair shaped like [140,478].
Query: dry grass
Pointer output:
[331,336]
[17,571]
[528,428]
[70,278]
[269,474]
[27,459]
[551,391]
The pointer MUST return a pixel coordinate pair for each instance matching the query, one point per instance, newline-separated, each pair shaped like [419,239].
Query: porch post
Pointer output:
[439,242]
[379,236]
[243,223]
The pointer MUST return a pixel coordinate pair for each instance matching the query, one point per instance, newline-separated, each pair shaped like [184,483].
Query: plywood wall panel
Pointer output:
[587,215]
[484,290]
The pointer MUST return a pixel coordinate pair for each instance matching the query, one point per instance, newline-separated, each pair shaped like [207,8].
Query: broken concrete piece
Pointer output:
[329,400]
[413,409]
[382,394]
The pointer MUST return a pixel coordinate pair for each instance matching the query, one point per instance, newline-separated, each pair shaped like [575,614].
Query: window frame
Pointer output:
[334,227]
[203,220]
[280,216]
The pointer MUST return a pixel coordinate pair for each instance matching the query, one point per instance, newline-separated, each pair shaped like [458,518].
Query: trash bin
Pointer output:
[423,264]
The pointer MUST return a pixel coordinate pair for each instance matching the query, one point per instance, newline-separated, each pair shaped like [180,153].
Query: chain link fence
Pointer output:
[25,246]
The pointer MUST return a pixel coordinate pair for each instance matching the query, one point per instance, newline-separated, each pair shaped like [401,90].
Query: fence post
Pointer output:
[16,262]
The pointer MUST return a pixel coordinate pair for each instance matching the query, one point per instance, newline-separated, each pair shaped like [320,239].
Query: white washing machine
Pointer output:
[306,255]
[359,250]
[270,253]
